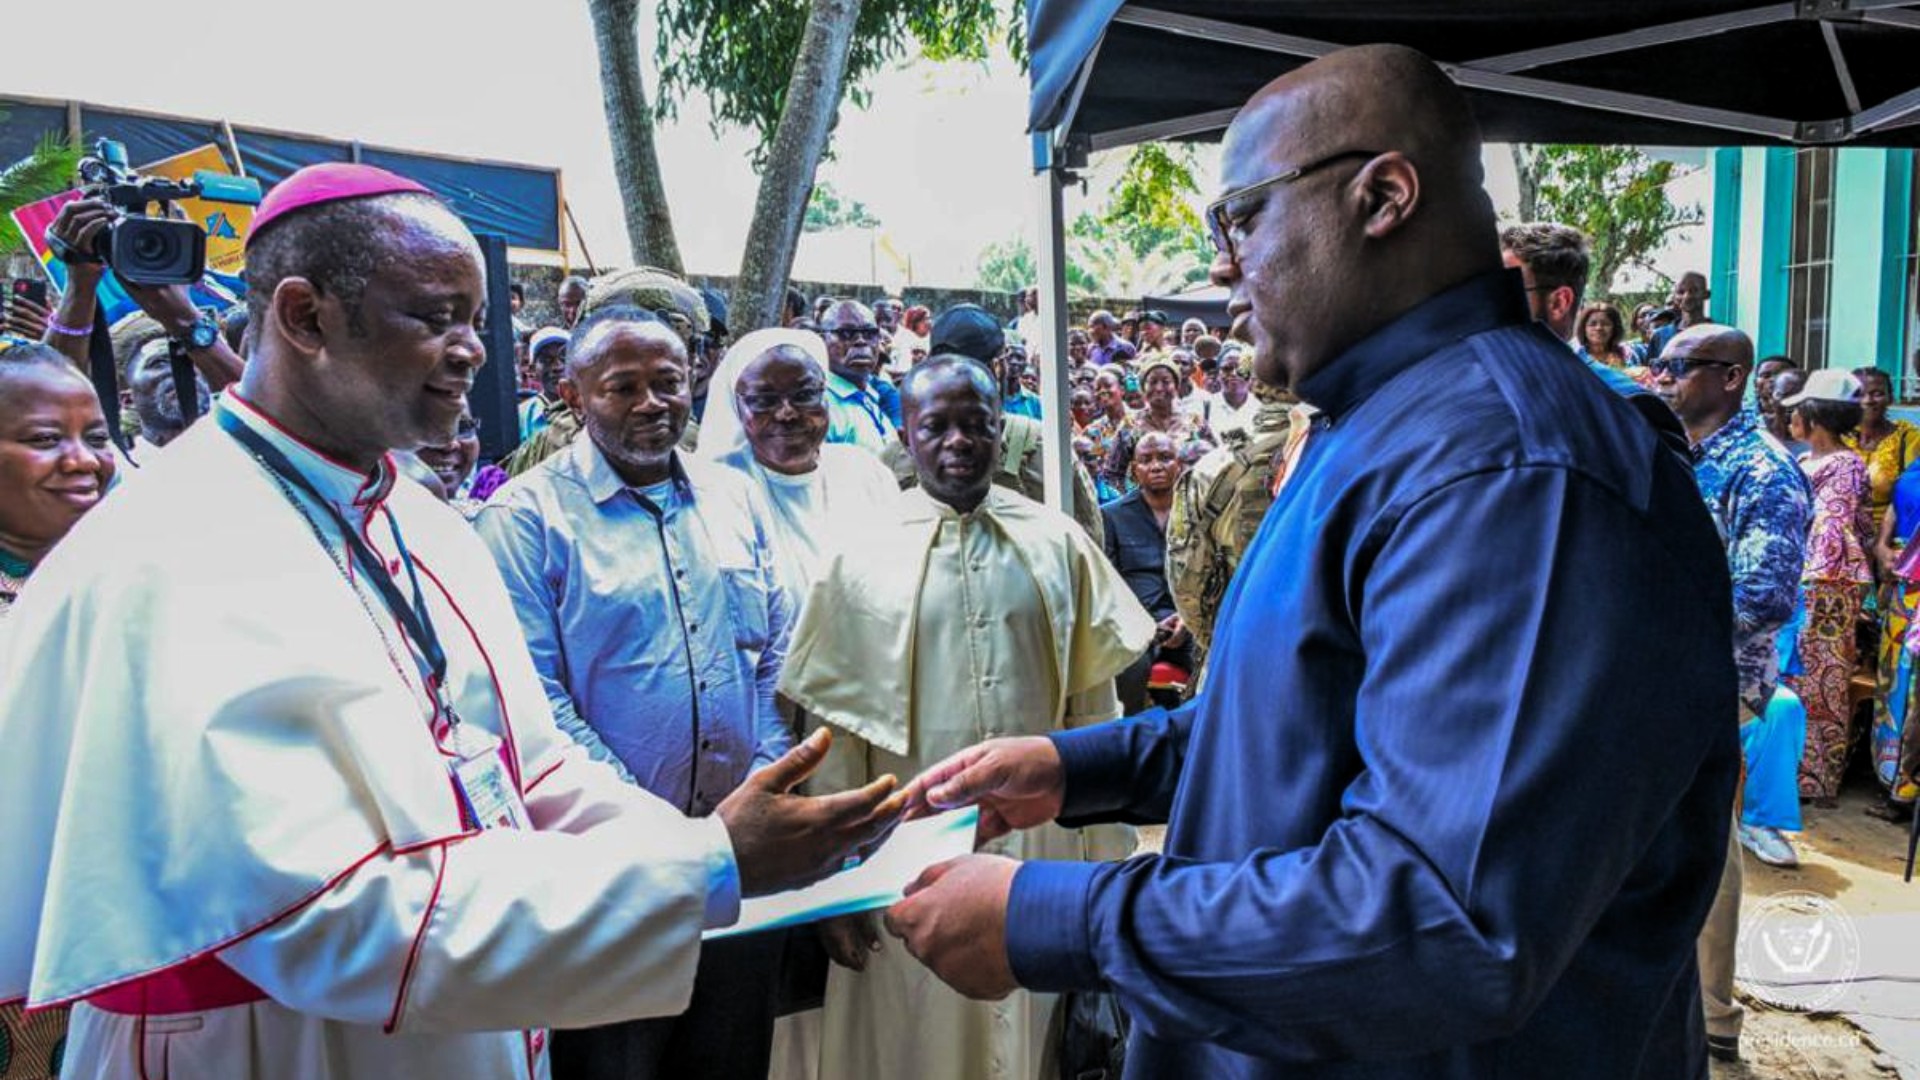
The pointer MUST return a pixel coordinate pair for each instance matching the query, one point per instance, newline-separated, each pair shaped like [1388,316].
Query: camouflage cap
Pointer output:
[650,288]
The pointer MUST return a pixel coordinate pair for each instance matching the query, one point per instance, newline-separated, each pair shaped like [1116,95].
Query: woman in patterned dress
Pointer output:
[1836,576]
[54,467]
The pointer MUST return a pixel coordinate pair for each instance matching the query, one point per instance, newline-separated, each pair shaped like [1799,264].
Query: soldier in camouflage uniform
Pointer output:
[1218,506]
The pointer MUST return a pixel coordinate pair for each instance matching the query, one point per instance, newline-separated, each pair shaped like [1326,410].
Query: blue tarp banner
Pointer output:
[518,202]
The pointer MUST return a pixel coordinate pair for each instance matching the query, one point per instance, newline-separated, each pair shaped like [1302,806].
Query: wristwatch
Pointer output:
[201,335]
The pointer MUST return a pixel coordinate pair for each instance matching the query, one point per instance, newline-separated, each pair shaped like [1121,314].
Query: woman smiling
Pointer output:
[55,462]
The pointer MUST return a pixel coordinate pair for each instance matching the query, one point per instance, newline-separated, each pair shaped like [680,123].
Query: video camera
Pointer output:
[156,248]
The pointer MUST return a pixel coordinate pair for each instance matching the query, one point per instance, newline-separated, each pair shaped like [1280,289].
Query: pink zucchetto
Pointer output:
[324,183]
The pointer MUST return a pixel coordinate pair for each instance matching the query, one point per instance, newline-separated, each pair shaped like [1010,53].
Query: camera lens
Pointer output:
[152,251]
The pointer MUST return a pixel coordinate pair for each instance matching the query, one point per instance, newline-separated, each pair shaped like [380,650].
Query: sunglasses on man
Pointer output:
[1680,366]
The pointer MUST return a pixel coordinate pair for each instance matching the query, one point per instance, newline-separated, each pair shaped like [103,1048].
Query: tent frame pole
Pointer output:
[1050,265]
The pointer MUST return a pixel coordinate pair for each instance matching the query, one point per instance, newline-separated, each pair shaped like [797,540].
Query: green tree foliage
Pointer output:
[48,170]
[1006,266]
[827,210]
[1615,194]
[1152,205]
[740,52]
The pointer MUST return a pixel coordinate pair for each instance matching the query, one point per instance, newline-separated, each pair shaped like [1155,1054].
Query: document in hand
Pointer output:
[877,882]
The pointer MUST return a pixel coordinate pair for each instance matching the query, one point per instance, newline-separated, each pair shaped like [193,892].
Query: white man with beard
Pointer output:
[855,412]
[1553,261]
[315,751]
[990,613]
[652,604]
[1430,669]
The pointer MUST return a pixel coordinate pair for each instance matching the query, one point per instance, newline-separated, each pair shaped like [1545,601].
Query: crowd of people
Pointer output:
[736,603]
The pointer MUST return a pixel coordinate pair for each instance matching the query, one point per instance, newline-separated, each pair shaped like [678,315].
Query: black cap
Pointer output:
[1158,318]
[716,309]
[968,330]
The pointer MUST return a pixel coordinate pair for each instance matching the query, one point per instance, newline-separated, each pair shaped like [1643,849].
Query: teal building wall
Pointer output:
[1754,212]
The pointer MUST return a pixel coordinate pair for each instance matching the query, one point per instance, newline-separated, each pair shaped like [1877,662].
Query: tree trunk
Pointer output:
[630,128]
[813,98]
[1526,171]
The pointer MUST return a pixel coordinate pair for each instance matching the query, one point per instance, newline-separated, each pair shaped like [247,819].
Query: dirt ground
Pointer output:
[1856,860]
[1849,857]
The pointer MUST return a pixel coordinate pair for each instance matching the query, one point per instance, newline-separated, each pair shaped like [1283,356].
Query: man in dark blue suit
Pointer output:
[1454,801]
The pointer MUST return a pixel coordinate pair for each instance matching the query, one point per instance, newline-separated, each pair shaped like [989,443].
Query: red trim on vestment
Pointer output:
[326,886]
[420,935]
[506,723]
[548,771]
[233,394]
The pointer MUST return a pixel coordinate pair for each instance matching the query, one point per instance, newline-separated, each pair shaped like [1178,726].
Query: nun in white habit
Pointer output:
[767,417]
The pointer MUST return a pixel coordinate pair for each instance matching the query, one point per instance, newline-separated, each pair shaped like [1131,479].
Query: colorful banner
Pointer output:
[226,223]
[226,226]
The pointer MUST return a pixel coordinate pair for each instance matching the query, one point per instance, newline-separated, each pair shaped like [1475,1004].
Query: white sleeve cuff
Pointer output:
[723,874]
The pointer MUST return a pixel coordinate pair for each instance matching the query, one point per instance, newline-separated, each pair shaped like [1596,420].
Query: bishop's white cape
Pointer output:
[211,753]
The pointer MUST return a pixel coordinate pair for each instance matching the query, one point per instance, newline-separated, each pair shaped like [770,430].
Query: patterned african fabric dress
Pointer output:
[1895,743]
[1886,459]
[1833,587]
[30,1046]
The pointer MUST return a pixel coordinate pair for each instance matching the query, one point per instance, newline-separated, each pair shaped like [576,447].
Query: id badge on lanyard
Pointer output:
[486,790]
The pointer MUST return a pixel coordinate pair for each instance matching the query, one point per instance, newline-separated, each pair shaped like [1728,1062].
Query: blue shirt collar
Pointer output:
[603,483]
[844,388]
[1481,303]
[341,484]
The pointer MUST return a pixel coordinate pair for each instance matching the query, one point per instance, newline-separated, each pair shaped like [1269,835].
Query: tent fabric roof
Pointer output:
[1110,73]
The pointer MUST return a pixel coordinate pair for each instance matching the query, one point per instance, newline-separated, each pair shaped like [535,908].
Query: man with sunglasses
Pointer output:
[1762,503]
[855,412]
[1434,814]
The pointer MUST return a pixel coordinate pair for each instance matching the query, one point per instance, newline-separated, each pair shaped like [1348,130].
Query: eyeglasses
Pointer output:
[467,426]
[763,404]
[852,334]
[1220,221]
[1681,366]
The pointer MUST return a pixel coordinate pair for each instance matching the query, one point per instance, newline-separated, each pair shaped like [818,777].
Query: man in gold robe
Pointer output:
[978,613]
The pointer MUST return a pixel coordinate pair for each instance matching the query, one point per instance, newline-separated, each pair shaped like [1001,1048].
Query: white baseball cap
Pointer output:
[1827,384]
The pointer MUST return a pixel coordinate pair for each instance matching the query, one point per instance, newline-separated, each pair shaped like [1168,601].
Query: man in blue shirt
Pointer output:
[1760,499]
[855,413]
[1454,800]
[648,597]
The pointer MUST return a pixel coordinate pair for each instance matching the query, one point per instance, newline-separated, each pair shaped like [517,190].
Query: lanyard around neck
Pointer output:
[413,617]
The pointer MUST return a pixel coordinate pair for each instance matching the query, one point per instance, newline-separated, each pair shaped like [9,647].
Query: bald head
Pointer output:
[1372,97]
[1712,342]
[1353,192]
[1702,375]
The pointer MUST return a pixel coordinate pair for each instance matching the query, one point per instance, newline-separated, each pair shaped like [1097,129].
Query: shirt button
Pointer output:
[703,684]
[706,744]
[693,628]
[393,567]
[680,574]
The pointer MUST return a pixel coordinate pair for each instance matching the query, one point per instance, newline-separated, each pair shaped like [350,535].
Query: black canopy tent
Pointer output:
[1108,74]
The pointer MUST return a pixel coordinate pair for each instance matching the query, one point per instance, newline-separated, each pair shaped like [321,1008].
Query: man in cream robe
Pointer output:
[989,615]
[237,841]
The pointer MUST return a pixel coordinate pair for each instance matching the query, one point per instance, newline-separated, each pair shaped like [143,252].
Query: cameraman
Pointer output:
[73,232]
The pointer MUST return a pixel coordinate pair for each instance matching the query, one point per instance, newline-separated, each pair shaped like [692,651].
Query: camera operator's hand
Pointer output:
[79,225]
[26,318]
[782,840]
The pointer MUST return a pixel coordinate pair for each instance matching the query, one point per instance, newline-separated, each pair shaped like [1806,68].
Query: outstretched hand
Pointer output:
[1017,783]
[783,841]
